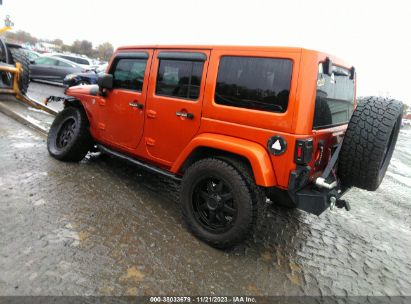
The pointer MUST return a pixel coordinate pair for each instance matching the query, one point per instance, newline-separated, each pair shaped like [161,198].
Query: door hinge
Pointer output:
[101,126]
[150,142]
[151,114]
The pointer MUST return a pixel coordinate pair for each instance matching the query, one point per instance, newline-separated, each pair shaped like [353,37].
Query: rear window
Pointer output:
[334,101]
[254,83]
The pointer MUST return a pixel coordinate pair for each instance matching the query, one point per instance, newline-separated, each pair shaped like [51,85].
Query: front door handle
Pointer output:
[136,104]
[185,115]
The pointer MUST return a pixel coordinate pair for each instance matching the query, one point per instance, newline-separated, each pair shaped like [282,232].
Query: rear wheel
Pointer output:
[369,142]
[217,204]
[69,138]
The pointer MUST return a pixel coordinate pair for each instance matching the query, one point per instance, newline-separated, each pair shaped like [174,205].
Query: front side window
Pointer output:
[179,78]
[334,103]
[64,64]
[254,83]
[129,74]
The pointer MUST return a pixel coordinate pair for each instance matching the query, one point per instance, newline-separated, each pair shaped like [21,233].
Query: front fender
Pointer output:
[255,153]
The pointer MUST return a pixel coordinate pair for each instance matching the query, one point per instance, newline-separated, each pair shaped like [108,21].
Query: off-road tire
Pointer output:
[20,56]
[257,193]
[81,141]
[369,142]
[242,194]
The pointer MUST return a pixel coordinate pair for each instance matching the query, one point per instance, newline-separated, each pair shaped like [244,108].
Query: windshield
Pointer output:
[334,101]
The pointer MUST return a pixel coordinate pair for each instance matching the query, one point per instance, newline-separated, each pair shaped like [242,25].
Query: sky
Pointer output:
[374,36]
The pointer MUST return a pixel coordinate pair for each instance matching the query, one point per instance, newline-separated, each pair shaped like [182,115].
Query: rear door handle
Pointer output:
[136,104]
[185,115]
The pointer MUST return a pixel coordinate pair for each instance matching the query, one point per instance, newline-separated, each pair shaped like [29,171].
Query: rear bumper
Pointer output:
[306,196]
[314,200]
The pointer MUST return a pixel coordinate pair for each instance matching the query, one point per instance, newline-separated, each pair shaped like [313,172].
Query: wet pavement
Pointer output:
[104,227]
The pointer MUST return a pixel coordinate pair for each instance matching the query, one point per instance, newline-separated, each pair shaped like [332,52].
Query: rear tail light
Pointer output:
[303,151]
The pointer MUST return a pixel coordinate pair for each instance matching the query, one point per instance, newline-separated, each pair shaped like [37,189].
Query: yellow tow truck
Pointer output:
[15,70]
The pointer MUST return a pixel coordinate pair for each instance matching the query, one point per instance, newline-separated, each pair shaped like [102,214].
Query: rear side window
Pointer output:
[75,59]
[82,61]
[179,78]
[254,83]
[67,57]
[129,74]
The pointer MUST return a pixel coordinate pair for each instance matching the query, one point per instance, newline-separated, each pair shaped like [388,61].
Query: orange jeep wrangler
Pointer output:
[236,125]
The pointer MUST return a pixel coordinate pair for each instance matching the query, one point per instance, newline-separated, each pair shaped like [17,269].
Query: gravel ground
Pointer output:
[104,227]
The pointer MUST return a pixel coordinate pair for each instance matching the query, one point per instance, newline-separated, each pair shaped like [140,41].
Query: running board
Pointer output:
[137,162]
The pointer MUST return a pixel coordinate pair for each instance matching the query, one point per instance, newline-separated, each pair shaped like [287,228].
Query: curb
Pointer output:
[24,120]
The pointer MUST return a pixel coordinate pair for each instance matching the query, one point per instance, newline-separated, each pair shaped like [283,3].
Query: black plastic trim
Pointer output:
[189,56]
[132,55]
[138,162]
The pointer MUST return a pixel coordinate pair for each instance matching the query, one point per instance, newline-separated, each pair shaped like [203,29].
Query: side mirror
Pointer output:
[105,81]
[32,61]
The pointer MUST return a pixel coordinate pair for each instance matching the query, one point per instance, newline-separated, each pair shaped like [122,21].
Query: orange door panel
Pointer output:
[174,101]
[121,121]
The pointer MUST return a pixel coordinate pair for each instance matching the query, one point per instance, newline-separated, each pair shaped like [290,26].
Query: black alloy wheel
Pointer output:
[69,137]
[66,133]
[218,202]
[213,204]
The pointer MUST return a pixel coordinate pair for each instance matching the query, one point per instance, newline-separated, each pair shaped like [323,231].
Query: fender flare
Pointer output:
[71,101]
[255,153]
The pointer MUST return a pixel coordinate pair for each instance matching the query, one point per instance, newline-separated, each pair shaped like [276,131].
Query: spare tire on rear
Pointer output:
[369,142]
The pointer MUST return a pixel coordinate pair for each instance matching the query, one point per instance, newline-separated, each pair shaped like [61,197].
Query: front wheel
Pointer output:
[69,137]
[217,203]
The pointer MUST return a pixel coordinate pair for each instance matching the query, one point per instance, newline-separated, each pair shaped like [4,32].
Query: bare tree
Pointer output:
[105,50]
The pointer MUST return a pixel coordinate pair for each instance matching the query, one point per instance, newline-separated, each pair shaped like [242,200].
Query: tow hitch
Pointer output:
[339,203]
